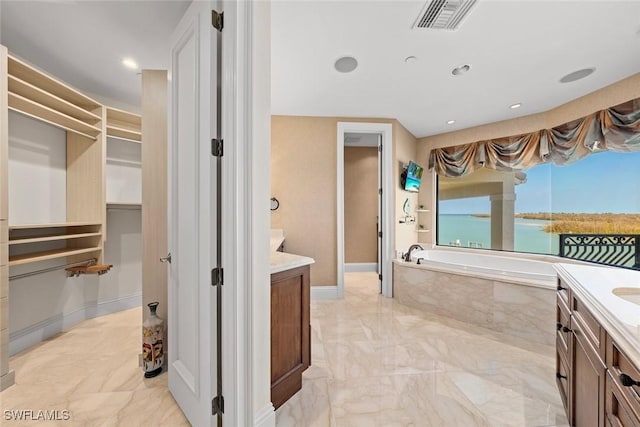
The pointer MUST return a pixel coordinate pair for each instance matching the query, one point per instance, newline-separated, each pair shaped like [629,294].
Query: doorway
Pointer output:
[362,203]
[370,234]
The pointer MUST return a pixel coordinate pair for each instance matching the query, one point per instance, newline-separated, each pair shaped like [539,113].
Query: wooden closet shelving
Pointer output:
[35,94]
[124,125]
[29,243]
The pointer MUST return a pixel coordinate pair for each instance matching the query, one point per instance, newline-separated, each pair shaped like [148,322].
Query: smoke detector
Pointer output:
[444,14]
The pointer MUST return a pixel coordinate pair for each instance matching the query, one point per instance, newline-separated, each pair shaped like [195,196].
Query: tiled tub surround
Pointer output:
[508,305]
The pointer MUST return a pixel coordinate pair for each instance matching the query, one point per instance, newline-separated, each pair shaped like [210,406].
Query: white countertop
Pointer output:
[281,261]
[594,286]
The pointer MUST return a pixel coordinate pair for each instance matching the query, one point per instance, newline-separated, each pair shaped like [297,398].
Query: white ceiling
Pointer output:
[518,51]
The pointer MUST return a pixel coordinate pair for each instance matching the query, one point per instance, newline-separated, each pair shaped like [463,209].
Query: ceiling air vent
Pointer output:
[444,14]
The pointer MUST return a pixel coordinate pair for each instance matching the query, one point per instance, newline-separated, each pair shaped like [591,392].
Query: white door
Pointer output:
[192,215]
[380,213]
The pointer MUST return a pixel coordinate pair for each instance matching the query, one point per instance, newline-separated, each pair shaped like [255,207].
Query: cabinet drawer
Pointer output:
[618,412]
[563,292]
[562,380]
[563,332]
[583,321]
[618,364]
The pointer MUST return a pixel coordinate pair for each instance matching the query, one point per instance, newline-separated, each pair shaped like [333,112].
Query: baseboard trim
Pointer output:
[265,417]
[360,267]
[324,292]
[31,335]
[7,380]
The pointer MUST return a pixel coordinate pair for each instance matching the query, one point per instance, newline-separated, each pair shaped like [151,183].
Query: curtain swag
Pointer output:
[615,129]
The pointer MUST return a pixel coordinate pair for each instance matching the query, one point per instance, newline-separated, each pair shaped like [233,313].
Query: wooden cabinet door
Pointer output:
[587,383]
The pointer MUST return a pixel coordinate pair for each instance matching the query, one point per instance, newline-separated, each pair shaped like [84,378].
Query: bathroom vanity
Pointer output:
[598,345]
[290,324]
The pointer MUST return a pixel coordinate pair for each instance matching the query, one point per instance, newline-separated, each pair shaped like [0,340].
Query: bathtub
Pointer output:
[524,271]
[512,296]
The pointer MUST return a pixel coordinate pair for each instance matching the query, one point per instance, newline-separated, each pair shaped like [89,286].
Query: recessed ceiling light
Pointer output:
[130,63]
[577,75]
[346,64]
[514,106]
[461,69]
[410,59]
[450,122]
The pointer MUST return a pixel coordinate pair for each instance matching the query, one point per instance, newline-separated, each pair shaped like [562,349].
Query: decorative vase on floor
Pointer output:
[152,343]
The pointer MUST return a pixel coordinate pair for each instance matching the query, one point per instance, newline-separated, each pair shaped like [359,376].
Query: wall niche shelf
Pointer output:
[423,231]
[32,243]
[422,210]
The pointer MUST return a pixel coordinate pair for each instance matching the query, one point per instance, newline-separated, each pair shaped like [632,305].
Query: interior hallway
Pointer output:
[378,363]
[374,363]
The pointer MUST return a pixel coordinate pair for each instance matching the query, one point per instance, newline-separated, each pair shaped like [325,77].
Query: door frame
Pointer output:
[246,119]
[386,130]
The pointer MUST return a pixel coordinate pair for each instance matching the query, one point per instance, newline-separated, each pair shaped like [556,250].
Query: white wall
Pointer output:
[37,171]
[124,171]
[44,304]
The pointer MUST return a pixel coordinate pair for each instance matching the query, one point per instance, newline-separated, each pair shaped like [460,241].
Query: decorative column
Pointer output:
[503,220]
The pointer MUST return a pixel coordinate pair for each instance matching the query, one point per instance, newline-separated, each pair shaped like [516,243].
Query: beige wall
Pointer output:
[360,204]
[405,150]
[606,97]
[303,179]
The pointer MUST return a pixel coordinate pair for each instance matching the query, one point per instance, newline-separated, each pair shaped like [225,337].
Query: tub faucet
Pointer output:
[407,256]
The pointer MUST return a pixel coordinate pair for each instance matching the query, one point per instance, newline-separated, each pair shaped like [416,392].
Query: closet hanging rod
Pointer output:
[88,262]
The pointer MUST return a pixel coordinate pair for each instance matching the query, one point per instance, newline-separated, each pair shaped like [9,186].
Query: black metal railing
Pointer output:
[621,250]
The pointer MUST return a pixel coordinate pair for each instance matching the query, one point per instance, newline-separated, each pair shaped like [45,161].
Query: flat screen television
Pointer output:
[412,177]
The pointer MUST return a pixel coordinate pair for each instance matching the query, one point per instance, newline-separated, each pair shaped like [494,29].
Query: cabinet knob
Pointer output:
[167,258]
[560,376]
[627,381]
[560,288]
[565,329]
[561,327]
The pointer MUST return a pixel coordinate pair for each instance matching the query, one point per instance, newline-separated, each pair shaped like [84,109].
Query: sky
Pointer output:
[604,182]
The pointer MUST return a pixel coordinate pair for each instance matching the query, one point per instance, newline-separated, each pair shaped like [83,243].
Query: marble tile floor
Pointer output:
[376,362]
[92,372]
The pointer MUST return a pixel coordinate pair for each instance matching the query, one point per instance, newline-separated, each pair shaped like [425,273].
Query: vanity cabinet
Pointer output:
[290,332]
[589,365]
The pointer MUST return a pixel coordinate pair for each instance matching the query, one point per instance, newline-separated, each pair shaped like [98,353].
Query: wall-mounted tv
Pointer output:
[411,177]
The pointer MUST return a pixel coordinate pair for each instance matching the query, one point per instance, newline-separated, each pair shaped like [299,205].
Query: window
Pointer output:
[527,211]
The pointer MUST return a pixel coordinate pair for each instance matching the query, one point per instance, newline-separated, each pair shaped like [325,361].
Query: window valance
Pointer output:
[616,129]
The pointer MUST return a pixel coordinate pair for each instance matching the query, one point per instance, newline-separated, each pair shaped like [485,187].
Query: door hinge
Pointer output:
[217,276]
[379,233]
[216,147]
[380,191]
[379,276]
[380,148]
[217,405]
[217,20]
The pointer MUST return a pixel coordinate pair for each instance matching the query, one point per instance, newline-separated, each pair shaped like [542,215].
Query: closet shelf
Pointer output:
[47,255]
[125,205]
[50,238]
[46,83]
[136,141]
[423,231]
[54,225]
[422,210]
[27,90]
[123,133]
[48,115]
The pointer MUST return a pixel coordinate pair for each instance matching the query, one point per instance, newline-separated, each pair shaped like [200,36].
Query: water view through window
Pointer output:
[526,211]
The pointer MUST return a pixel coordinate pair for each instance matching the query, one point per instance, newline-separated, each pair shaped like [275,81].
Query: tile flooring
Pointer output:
[378,363]
[92,372]
[375,363]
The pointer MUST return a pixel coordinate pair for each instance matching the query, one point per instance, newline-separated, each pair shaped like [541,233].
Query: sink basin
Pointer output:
[629,294]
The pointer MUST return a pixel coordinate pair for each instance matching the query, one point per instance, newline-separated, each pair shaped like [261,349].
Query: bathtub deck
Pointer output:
[376,362]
